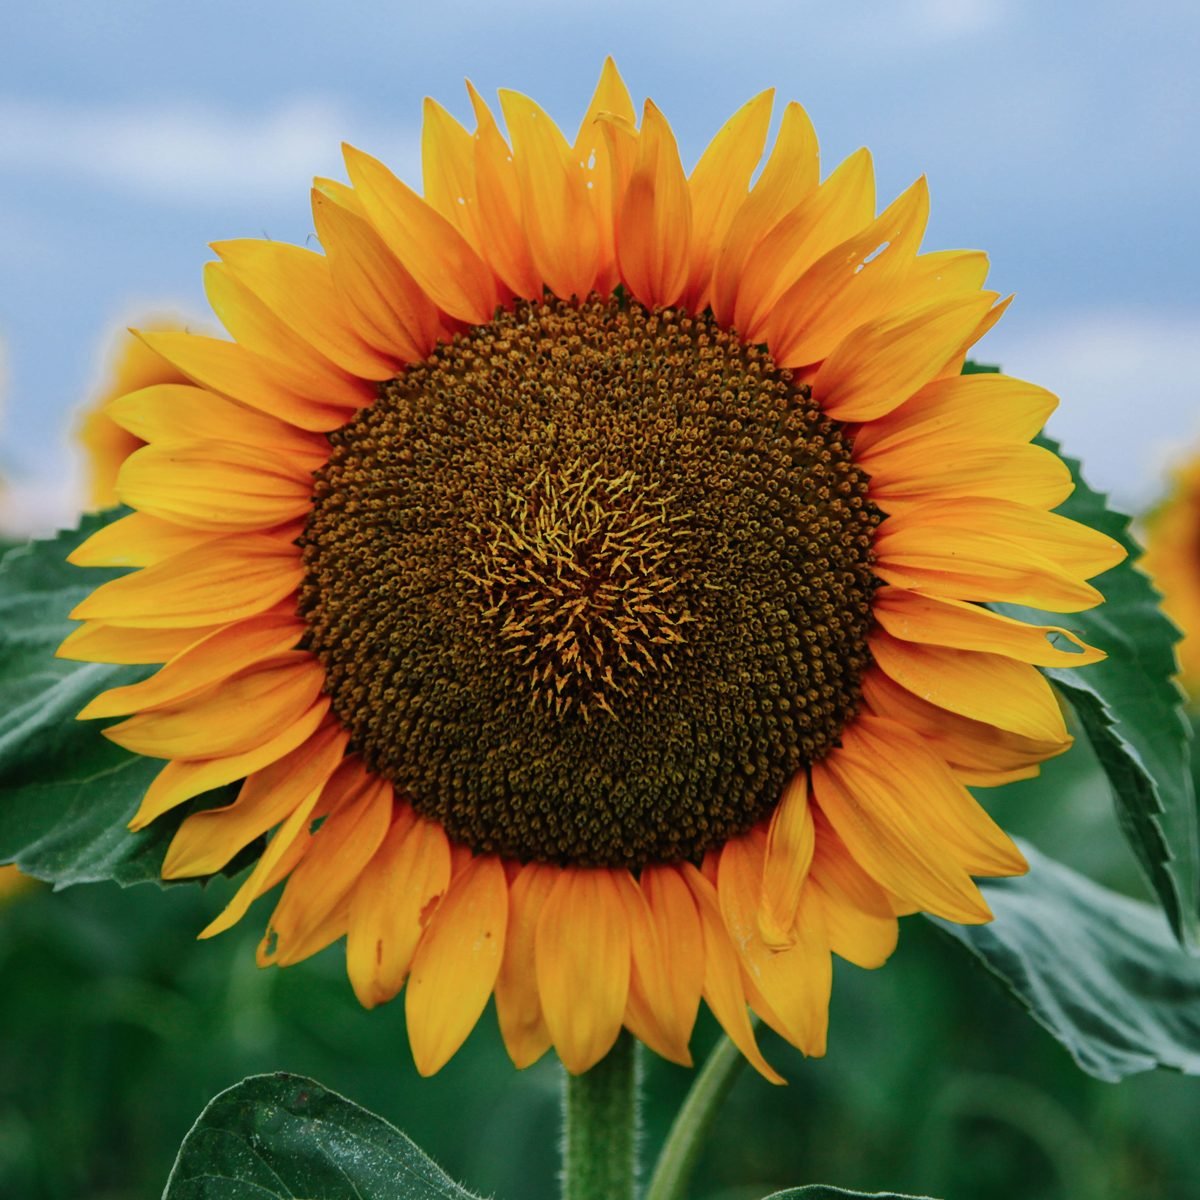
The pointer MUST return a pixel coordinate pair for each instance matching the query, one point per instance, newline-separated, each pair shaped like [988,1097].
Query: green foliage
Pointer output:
[283,1136]
[1130,709]
[68,792]
[820,1192]
[1097,969]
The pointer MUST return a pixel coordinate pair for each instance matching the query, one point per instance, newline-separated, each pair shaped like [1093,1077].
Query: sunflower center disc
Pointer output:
[590,583]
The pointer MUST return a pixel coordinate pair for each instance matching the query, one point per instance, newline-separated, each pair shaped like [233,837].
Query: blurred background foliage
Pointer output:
[119,1027]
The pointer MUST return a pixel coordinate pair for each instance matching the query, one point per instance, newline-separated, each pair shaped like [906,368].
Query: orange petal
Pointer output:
[870,804]
[926,619]
[214,658]
[650,1009]
[456,964]
[655,223]
[448,169]
[94,641]
[518,1006]
[788,856]
[432,250]
[185,780]
[722,974]
[392,904]
[498,193]
[794,982]
[583,965]
[560,222]
[673,912]
[208,840]
[606,177]
[236,715]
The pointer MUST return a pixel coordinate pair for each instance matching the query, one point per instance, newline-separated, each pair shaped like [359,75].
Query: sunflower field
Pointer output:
[576,671]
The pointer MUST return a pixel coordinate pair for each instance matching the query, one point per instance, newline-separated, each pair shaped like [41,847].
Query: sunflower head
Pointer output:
[1173,560]
[583,564]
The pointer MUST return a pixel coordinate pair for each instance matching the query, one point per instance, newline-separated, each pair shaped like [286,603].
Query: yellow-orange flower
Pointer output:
[1173,560]
[583,564]
[131,366]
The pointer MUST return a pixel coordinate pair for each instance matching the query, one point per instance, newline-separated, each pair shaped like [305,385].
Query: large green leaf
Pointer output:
[821,1191]
[281,1137]
[1098,970]
[1130,708]
[67,792]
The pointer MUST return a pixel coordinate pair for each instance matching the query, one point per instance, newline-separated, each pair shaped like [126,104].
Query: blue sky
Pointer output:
[1060,138]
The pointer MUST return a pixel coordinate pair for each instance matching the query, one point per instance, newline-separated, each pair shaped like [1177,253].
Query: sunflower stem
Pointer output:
[600,1127]
[693,1121]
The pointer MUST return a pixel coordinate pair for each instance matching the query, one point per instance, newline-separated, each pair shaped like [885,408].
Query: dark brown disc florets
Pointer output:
[590,583]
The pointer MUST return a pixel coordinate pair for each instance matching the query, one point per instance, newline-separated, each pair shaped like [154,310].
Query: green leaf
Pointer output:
[821,1191]
[1098,970]
[284,1136]
[1130,709]
[68,792]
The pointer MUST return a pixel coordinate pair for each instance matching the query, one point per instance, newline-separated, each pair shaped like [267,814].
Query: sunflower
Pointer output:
[130,366]
[1173,560]
[582,564]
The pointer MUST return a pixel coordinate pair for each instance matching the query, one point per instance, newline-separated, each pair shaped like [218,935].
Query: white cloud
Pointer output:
[188,154]
[1130,402]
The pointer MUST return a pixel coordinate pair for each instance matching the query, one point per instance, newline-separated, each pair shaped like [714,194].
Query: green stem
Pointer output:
[600,1127]
[693,1121]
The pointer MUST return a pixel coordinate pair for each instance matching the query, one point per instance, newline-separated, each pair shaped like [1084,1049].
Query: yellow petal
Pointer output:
[448,169]
[236,715]
[518,1006]
[989,407]
[927,619]
[719,185]
[297,286]
[788,856]
[985,549]
[137,540]
[178,412]
[217,486]
[560,222]
[791,173]
[456,964]
[841,207]
[869,803]
[722,974]
[986,687]
[224,579]
[265,384]
[208,840]
[849,285]
[393,902]
[974,750]
[877,367]
[583,965]
[209,661]
[95,641]
[937,802]
[185,780]
[383,302]
[432,250]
